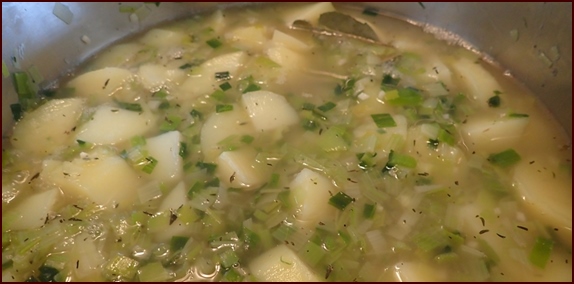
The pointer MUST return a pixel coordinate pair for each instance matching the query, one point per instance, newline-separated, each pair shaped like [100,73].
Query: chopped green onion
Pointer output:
[7,264]
[195,113]
[228,258]
[369,11]
[340,200]
[121,266]
[183,150]
[222,76]
[312,253]
[308,106]
[207,166]
[327,106]
[162,94]
[22,85]
[47,273]
[505,158]
[247,139]
[389,83]
[518,115]
[446,137]
[197,186]
[225,86]
[177,243]
[283,232]
[345,88]
[333,139]
[148,164]
[223,108]
[274,180]
[383,120]
[212,183]
[494,101]
[404,97]
[17,111]
[170,123]
[396,159]
[130,106]
[541,251]
[369,211]
[185,66]
[214,43]
[251,87]
[309,124]
[218,95]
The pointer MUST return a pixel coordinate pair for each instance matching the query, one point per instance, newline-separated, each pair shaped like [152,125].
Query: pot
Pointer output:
[532,41]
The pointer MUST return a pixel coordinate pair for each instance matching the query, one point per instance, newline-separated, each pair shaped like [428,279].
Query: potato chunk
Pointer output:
[48,127]
[85,177]
[32,211]
[165,149]
[111,125]
[310,193]
[240,169]
[222,125]
[268,110]
[100,85]
[281,264]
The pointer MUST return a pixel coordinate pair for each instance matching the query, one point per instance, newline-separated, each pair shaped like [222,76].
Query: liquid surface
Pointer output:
[246,145]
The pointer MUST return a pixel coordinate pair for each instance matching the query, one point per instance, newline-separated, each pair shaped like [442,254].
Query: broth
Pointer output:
[243,145]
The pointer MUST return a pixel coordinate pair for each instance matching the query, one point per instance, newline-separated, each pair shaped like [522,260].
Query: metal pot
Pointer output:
[533,41]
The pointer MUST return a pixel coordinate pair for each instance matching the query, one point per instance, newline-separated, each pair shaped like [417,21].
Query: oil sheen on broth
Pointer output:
[245,145]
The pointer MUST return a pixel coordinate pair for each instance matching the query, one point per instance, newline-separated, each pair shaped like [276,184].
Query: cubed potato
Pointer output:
[311,192]
[546,191]
[309,13]
[286,57]
[87,256]
[164,38]
[281,264]
[118,55]
[240,169]
[33,210]
[219,126]
[100,85]
[268,110]
[112,125]
[165,149]
[252,37]
[478,82]
[155,77]
[101,176]
[48,127]
[493,135]
[203,81]
[283,39]
[176,198]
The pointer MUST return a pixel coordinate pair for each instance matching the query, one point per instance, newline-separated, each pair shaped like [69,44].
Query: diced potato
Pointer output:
[103,177]
[48,127]
[493,135]
[165,149]
[155,77]
[118,55]
[283,39]
[111,125]
[286,57]
[310,192]
[203,82]
[176,197]
[281,264]
[268,110]
[479,83]
[100,85]
[164,38]
[222,125]
[33,210]
[252,37]
[546,190]
[240,169]
[87,257]
[417,272]
[309,13]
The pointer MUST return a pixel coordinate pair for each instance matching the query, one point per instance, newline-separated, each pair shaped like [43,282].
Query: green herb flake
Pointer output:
[389,83]
[207,166]
[81,142]
[541,251]
[196,114]
[214,43]
[494,101]
[383,120]
[130,106]
[177,243]
[225,86]
[247,139]
[505,158]
[340,200]
[309,124]
[517,115]
[17,111]
[223,108]
[369,11]
[185,66]
[327,106]
[183,150]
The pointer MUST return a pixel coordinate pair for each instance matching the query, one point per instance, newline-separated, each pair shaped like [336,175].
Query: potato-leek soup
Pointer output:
[301,142]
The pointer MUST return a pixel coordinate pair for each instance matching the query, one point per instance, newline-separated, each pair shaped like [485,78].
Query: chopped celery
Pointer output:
[121,266]
[383,120]
[312,253]
[223,108]
[170,123]
[274,180]
[446,137]
[404,97]
[207,166]
[340,200]
[396,159]
[214,43]
[333,139]
[369,211]
[177,243]
[540,253]
[283,232]
[489,251]
[153,272]
[147,164]
[505,158]
[228,258]
[232,275]
[23,86]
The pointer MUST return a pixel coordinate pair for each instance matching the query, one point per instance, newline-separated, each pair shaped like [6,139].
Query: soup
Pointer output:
[285,143]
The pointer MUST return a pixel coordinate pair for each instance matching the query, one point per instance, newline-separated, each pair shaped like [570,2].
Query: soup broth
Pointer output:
[299,142]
